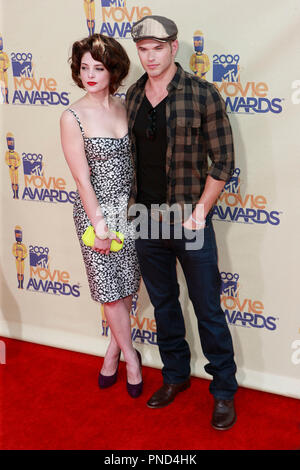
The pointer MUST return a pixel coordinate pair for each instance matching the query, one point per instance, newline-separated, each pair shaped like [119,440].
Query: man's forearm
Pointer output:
[210,194]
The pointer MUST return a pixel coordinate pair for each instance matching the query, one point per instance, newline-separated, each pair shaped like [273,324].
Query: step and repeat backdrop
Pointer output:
[251,53]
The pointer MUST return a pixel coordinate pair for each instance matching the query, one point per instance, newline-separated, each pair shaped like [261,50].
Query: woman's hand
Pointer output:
[103,246]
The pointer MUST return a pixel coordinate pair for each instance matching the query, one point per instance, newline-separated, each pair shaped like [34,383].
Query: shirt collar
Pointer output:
[178,79]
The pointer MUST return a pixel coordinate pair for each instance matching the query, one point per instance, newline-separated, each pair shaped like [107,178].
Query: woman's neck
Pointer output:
[102,99]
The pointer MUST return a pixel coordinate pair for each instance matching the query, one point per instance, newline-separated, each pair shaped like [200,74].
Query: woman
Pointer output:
[95,142]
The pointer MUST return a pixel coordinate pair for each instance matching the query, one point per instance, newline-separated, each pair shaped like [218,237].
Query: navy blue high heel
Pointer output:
[106,381]
[135,390]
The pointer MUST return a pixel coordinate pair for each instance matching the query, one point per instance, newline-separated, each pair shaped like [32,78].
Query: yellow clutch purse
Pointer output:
[88,239]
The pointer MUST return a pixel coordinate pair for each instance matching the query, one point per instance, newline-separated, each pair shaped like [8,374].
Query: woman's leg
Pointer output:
[113,350]
[111,357]
[117,315]
[128,303]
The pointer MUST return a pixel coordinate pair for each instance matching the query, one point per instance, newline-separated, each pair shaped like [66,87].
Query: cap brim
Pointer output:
[150,37]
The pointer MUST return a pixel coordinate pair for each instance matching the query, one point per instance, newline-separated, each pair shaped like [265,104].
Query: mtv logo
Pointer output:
[113,3]
[39,256]
[233,185]
[33,165]
[229,284]
[225,73]
[22,68]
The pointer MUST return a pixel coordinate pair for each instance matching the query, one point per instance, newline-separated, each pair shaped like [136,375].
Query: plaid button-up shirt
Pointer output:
[197,128]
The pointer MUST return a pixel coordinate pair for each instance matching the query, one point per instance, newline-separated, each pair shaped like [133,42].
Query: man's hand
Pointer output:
[196,221]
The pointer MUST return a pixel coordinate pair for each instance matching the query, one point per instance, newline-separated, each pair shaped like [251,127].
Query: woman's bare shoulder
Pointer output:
[119,102]
[77,106]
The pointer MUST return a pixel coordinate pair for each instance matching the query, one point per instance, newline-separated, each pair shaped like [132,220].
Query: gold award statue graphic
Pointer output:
[4,64]
[89,9]
[199,62]
[20,253]
[12,159]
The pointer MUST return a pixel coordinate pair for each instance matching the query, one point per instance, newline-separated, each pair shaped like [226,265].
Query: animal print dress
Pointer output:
[117,275]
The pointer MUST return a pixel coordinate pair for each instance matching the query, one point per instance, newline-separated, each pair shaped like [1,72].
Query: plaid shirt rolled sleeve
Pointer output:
[218,136]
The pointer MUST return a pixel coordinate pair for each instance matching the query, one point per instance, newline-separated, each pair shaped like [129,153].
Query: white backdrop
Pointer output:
[252,52]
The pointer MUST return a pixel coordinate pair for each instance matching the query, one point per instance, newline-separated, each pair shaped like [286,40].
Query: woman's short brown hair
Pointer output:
[103,49]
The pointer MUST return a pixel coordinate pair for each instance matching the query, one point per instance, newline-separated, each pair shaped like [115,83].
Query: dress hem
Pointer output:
[115,299]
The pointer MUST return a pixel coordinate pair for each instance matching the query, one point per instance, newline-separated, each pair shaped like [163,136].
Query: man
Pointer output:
[175,122]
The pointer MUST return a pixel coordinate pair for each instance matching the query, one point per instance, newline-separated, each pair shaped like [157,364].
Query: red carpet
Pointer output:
[50,400]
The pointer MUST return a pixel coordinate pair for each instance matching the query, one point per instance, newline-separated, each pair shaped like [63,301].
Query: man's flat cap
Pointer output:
[154,27]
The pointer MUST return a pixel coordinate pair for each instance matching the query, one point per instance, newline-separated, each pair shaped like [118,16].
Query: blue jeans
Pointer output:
[157,258]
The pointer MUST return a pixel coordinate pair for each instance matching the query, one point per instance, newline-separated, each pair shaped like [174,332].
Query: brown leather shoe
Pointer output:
[166,394]
[224,415]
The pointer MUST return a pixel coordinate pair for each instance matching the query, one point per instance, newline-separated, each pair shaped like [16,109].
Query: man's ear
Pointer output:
[174,47]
